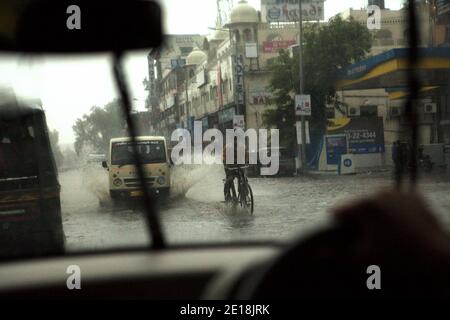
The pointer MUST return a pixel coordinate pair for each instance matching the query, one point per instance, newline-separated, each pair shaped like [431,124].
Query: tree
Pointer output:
[327,49]
[98,127]
[54,143]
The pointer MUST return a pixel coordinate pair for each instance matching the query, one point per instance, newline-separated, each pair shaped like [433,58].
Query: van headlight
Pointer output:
[161,180]
[117,182]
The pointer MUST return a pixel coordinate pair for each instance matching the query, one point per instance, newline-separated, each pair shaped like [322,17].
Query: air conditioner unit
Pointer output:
[354,112]
[395,112]
[429,108]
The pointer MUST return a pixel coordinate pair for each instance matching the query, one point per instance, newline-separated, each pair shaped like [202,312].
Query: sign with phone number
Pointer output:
[365,135]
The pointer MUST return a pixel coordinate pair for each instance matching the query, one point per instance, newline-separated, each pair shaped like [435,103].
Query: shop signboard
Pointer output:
[303,105]
[226,115]
[239,122]
[239,79]
[276,45]
[365,134]
[288,10]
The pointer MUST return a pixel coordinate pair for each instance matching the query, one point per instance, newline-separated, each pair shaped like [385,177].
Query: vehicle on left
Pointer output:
[30,209]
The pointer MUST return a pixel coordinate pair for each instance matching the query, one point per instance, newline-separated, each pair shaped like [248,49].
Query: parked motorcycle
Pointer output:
[424,163]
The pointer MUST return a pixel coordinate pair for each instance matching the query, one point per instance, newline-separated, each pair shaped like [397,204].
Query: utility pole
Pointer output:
[186,103]
[302,147]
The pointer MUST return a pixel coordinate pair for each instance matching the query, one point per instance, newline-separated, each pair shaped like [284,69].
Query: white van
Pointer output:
[123,177]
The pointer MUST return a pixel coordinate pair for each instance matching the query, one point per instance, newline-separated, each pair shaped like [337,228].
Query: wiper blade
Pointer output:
[153,223]
[413,86]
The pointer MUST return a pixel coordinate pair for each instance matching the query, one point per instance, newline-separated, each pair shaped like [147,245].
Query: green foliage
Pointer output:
[97,128]
[326,49]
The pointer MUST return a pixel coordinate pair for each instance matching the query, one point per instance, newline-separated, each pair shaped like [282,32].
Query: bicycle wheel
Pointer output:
[230,195]
[227,192]
[246,198]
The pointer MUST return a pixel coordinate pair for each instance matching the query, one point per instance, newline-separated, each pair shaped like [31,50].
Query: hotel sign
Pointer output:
[239,80]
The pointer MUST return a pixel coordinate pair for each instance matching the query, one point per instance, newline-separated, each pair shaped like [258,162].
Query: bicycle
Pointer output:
[244,195]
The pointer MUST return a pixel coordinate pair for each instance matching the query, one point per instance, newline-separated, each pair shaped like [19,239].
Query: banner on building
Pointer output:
[259,94]
[275,46]
[365,135]
[288,10]
[239,79]
[251,50]
[151,78]
[303,105]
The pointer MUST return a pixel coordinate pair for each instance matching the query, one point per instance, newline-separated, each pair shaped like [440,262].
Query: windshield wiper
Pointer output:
[413,86]
[153,223]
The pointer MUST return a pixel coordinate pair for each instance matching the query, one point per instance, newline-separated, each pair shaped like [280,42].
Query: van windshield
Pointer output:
[149,151]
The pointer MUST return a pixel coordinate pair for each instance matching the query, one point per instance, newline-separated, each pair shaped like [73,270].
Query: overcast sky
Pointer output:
[70,86]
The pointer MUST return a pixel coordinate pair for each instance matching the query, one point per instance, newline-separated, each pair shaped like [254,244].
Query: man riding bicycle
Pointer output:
[234,164]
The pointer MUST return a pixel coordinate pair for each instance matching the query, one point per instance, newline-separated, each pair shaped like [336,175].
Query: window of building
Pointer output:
[237,36]
[248,35]
[212,92]
[225,87]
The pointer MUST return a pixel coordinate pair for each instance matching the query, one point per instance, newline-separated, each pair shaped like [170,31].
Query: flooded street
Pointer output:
[284,207]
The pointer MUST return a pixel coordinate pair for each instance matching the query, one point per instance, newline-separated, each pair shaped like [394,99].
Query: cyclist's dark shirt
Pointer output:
[230,147]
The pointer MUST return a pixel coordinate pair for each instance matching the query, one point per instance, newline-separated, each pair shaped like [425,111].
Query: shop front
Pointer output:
[225,118]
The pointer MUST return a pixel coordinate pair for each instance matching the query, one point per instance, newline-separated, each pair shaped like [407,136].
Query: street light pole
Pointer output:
[302,147]
[186,103]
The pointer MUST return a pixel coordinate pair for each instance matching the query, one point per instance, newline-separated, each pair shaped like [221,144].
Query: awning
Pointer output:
[401,93]
[389,70]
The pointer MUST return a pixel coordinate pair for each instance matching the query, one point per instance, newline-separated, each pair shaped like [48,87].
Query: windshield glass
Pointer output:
[322,123]
[149,152]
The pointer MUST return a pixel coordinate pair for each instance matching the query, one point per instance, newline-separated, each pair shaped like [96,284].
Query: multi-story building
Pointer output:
[211,85]
[165,77]
[213,78]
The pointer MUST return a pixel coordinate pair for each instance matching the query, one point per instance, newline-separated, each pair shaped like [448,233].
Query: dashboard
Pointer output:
[177,274]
